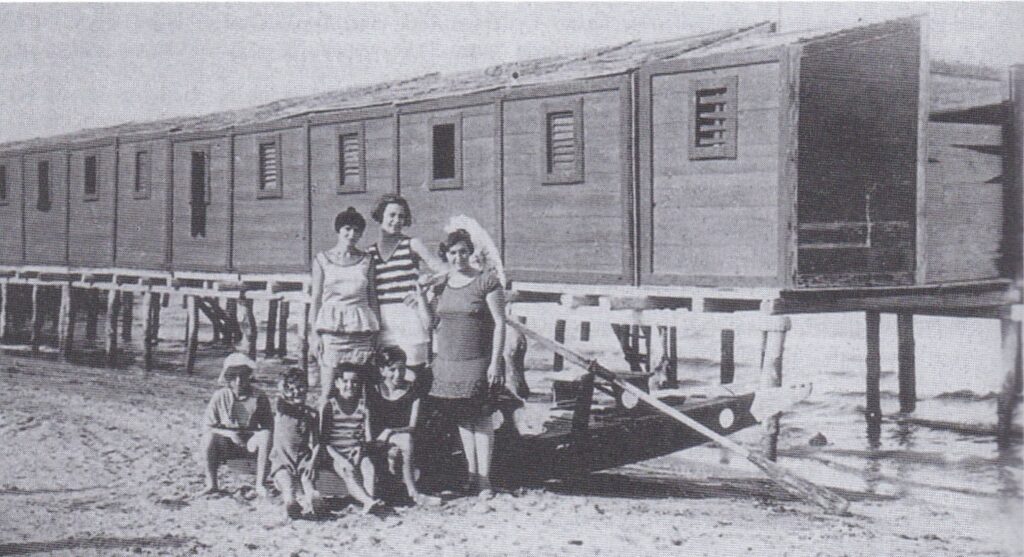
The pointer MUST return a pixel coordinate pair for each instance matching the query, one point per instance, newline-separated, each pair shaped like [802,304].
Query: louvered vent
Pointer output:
[714,119]
[269,167]
[350,157]
[561,142]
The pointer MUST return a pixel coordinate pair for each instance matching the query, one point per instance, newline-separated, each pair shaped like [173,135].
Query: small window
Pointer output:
[351,162]
[91,190]
[446,153]
[43,186]
[3,185]
[143,175]
[713,118]
[269,150]
[562,138]
[199,192]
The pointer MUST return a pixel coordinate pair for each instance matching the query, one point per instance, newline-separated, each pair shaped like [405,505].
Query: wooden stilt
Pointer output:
[248,327]
[771,376]
[64,327]
[36,324]
[1011,364]
[193,334]
[127,315]
[556,362]
[269,342]
[874,366]
[91,299]
[152,317]
[728,363]
[231,309]
[282,329]
[113,311]
[672,371]
[907,373]
[3,310]
[304,344]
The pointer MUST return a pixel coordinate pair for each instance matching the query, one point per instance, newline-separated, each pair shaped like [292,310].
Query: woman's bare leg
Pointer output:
[483,438]
[467,434]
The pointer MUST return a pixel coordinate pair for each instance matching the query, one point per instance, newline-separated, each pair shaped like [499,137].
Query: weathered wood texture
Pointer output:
[45,225]
[269,233]
[91,238]
[142,224]
[477,196]
[964,201]
[11,211]
[858,148]
[582,226]
[716,217]
[207,251]
[379,174]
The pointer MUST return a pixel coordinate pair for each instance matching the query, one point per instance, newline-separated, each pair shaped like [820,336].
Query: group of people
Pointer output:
[375,313]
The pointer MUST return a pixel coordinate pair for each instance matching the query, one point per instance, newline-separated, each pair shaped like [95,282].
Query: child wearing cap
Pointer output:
[295,436]
[237,423]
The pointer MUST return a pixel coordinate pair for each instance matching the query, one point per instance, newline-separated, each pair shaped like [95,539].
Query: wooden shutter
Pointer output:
[269,178]
[562,128]
[713,118]
[143,174]
[350,162]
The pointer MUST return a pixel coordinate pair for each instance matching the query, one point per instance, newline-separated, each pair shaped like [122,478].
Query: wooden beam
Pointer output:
[269,346]
[304,340]
[64,322]
[113,309]
[873,360]
[192,327]
[249,330]
[151,312]
[771,376]
[1011,388]
[727,372]
[907,373]
[282,329]
[4,297]
[127,315]
[36,320]
[921,187]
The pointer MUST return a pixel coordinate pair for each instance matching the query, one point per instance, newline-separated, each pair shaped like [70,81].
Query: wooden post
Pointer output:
[113,309]
[152,317]
[556,363]
[127,315]
[64,322]
[192,344]
[1011,364]
[874,366]
[304,344]
[728,363]
[771,376]
[92,313]
[672,371]
[581,412]
[269,347]
[249,330]
[907,373]
[3,311]
[282,329]
[231,308]
[36,324]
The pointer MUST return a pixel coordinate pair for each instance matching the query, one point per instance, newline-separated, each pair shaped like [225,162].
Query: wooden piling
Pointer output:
[907,372]
[64,325]
[36,324]
[152,327]
[3,311]
[249,330]
[556,362]
[771,376]
[192,326]
[304,343]
[873,360]
[282,329]
[269,342]
[1011,367]
[91,301]
[113,311]
[727,373]
[127,315]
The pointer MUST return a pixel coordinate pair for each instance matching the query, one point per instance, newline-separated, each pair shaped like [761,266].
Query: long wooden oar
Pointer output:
[789,481]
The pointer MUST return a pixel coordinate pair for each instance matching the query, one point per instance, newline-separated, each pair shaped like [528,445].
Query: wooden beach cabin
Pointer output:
[743,169]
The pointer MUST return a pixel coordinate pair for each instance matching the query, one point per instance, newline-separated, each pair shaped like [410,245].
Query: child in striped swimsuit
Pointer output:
[344,434]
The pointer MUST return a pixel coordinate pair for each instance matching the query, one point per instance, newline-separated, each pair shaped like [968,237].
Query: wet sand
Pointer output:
[101,462]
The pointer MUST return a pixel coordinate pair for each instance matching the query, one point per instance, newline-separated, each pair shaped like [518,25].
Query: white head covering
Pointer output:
[234,360]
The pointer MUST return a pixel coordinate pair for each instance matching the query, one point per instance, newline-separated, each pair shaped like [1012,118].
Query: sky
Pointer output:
[71,66]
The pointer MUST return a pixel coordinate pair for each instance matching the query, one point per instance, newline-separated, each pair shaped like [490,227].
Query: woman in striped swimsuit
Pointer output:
[397,260]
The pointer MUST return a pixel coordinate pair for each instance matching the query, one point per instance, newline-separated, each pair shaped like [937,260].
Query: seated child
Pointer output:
[394,413]
[344,434]
[291,459]
[238,421]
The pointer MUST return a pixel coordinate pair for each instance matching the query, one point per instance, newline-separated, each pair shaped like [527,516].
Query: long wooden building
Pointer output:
[740,158]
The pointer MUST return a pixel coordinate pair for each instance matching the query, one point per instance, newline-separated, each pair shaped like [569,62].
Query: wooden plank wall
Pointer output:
[207,253]
[11,213]
[46,231]
[142,225]
[964,201]
[379,146]
[569,232]
[858,136]
[714,222]
[269,232]
[91,238]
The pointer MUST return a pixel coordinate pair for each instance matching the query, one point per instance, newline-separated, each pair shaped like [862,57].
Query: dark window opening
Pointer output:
[90,178]
[43,186]
[199,193]
[143,174]
[3,184]
[350,165]
[714,119]
[444,152]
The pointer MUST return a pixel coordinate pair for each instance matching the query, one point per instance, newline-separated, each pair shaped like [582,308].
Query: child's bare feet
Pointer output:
[427,500]
[372,506]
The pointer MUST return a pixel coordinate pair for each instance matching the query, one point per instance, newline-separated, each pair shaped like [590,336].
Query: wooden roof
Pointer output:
[954,87]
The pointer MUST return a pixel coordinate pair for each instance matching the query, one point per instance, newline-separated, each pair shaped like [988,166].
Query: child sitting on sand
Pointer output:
[291,459]
[345,434]
[238,421]
[394,412]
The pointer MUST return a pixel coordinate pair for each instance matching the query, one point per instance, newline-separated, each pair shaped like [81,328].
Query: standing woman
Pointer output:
[397,259]
[468,364]
[344,301]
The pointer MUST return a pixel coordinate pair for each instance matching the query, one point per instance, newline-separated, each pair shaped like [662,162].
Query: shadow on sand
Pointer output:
[109,544]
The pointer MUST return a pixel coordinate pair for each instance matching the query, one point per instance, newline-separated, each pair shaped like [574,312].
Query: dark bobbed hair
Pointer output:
[389,355]
[349,367]
[458,236]
[350,217]
[388,199]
